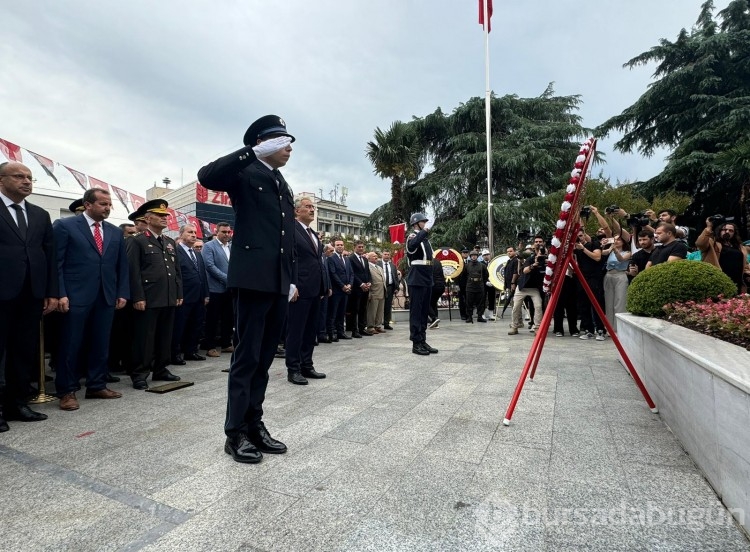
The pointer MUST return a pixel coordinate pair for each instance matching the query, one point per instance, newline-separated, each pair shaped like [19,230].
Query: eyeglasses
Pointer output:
[19,176]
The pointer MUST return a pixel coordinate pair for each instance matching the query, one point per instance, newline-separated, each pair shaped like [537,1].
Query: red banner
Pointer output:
[398,237]
[201,193]
[137,201]
[11,151]
[80,177]
[47,164]
[121,194]
[172,223]
[198,226]
[489,14]
[96,183]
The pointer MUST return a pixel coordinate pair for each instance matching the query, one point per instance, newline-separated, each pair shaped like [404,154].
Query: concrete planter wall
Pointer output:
[701,386]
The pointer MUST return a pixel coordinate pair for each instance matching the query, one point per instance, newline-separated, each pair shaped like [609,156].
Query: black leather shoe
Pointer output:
[296,378]
[194,356]
[263,441]
[3,425]
[312,374]
[242,450]
[140,384]
[334,339]
[356,335]
[166,375]
[387,327]
[366,333]
[24,414]
[469,320]
[177,361]
[431,350]
[481,319]
[417,349]
[344,337]
[324,339]
[112,379]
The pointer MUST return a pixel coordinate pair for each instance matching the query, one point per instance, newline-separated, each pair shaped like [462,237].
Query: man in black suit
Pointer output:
[261,274]
[391,282]
[341,285]
[94,282]
[191,315]
[156,290]
[323,336]
[303,313]
[360,291]
[28,288]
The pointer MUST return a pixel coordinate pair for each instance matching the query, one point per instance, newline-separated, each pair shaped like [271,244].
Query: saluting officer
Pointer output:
[261,274]
[156,290]
[419,279]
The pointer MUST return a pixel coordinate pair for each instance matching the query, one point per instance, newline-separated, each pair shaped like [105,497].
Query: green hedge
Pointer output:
[676,281]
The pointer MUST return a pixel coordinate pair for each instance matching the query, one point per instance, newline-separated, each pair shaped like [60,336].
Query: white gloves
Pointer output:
[269,147]
[428,224]
[488,283]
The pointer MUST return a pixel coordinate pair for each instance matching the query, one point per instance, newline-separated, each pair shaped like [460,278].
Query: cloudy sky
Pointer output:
[132,92]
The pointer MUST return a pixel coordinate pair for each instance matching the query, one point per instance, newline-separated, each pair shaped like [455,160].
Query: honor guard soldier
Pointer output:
[262,275]
[156,290]
[419,280]
[476,276]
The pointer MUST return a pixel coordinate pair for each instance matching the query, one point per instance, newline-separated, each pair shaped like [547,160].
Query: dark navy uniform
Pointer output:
[156,279]
[261,269]
[419,279]
[476,276]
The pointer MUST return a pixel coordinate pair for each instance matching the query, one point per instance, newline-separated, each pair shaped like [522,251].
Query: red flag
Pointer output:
[172,220]
[201,193]
[47,164]
[96,183]
[11,151]
[121,194]
[489,14]
[136,201]
[182,218]
[195,221]
[80,177]
[398,237]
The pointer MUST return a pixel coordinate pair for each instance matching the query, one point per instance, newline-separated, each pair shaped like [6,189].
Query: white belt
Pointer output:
[421,262]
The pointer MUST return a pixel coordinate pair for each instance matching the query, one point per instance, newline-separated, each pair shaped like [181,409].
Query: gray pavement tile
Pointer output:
[463,440]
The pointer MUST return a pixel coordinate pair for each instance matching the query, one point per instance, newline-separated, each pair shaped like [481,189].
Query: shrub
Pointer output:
[674,282]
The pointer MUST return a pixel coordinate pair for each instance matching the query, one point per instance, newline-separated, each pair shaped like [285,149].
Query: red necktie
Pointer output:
[98,238]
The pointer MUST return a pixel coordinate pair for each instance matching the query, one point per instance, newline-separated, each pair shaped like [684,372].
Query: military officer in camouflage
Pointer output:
[156,290]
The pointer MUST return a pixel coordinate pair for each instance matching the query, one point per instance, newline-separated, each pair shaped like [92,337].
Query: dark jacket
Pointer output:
[340,273]
[154,270]
[194,279]
[418,249]
[310,281]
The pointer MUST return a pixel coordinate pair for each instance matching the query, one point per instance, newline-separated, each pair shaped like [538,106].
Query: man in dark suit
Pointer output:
[28,288]
[323,336]
[94,281]
[156,290]
[261,272]
[360,291]
[391,282]
[303,313]
[341,284]
[219,316]
[190,316]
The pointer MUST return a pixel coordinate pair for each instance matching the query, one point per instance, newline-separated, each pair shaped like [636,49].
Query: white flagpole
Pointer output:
[488,127]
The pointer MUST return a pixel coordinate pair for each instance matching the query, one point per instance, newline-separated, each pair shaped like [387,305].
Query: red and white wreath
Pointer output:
[568,215]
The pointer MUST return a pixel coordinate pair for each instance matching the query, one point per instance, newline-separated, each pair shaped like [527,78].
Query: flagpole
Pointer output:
[488,126]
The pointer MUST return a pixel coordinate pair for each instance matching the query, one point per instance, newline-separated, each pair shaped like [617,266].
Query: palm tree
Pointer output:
[395,154]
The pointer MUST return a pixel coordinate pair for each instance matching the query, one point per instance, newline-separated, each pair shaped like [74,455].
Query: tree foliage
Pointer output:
[699,108]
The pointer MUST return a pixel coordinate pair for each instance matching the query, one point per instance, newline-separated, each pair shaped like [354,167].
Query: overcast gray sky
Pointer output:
[131,92]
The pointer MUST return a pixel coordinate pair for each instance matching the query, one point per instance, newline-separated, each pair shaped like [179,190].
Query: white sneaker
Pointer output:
[587,335]
[558,334]
[434,323]
[600,337]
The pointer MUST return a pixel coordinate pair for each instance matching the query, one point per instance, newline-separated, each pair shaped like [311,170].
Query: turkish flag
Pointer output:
[398,237]
[11,151]
[489,14]
[96,183]
[137,201]
[195,221]
[172,223]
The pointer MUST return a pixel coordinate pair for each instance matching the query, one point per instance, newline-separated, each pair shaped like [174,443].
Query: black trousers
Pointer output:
[567,306]
[152,342]
[462,301]
[336,313]
[357,311]
[301,330]
[491,298]
[20,320]
[474,299]
[189,320]
[388,305]
[219,312]
[435,295]
[590,320]
[121,341]
[323,316]
[419,307]
[258,320]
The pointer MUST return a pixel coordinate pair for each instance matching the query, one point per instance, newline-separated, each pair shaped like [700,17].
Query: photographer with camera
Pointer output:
[611,227]
[529,284]
[720,245]
[588,254]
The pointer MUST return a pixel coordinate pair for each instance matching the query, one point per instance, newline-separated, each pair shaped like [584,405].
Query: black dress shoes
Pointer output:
[140,384]
[356,335]
[263,441]
[387,327]
[324,339]
[481,319]
[312,374]
[469,320]
[426,346]
[296,378]
[3,425]
[166,375]
[194,356]
[334,339]
[112,379]
[343,336]
[178,361]
[417,349]
[24,414]
[242,450]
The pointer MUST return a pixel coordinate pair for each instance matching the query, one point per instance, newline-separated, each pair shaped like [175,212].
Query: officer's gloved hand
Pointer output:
[428,224]
[269,147]
[488,283]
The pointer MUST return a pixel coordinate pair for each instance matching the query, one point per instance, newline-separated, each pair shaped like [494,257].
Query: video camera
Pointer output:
[719,220]
[638,220]
[586,212]
[611,210]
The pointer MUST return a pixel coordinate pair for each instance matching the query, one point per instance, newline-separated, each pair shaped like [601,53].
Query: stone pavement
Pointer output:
[392,452]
